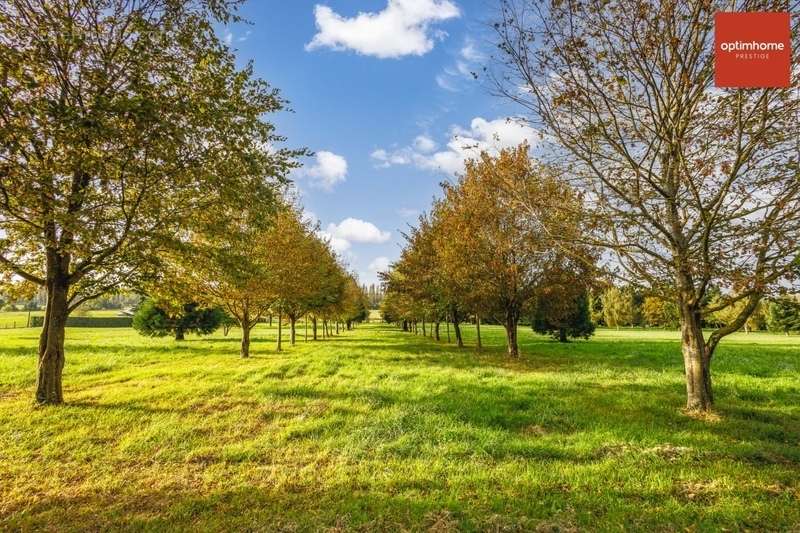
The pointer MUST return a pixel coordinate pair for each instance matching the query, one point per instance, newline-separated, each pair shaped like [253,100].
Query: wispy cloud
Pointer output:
[469,61]
[463,143]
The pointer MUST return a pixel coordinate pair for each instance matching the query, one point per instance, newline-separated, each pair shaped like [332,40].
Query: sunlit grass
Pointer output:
[381,430]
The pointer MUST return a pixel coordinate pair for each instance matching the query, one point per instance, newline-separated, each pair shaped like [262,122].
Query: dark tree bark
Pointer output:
[424,331]
[562,335]
[245,350]
[478,344]
[314,328]
[244,323]
[180,334]
[280,332]
[436,331]
[512,319]
[51,341]
[457,330]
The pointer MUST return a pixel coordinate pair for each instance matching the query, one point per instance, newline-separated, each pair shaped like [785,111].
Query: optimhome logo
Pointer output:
[752,49]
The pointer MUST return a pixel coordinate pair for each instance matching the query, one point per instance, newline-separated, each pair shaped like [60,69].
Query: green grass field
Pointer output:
[378,430]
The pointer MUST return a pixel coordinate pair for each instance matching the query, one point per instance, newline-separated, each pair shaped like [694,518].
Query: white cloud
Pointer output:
[379,264]
[329,170]
[370,275]
[425,144]
[470,51]
[445,82]
[402,28]
[387,159]
[469,61]
[338,244]
[464,143]
[229,37]
[355,230]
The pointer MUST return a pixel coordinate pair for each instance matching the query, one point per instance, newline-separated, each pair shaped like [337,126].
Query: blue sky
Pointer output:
[382,93]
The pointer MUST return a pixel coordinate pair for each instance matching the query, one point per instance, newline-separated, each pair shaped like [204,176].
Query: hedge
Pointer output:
[90,321]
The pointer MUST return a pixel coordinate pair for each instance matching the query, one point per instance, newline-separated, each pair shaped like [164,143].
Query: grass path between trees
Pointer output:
[379,430]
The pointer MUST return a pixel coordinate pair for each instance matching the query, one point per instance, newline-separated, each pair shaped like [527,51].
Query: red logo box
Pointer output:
[752,49]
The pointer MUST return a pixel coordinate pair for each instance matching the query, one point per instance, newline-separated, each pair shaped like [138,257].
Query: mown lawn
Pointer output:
[379,430]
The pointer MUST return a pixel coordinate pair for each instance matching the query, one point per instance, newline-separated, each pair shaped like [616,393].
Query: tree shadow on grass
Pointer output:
[424,503]
[254,507]
[521,415]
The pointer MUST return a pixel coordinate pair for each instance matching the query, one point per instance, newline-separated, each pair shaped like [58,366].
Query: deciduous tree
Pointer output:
[119,119]
[689,185]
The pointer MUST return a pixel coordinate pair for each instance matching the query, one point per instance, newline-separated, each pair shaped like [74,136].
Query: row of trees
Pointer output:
[482,253]
[254,268]
[135,153]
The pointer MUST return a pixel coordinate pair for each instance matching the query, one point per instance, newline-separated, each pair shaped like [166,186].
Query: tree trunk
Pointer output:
[244,323]
[179,334]
[337,327]
[305,326]
[562,335]
[314,328]
[280,331]
[424,331]
[511,333]
[696,361]
[51,342]
[245,351]
[270,320]
[436,331]
[457,329]
[478,344]
[293,321]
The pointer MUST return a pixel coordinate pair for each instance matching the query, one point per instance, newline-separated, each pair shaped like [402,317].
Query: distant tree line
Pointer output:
[626,306]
